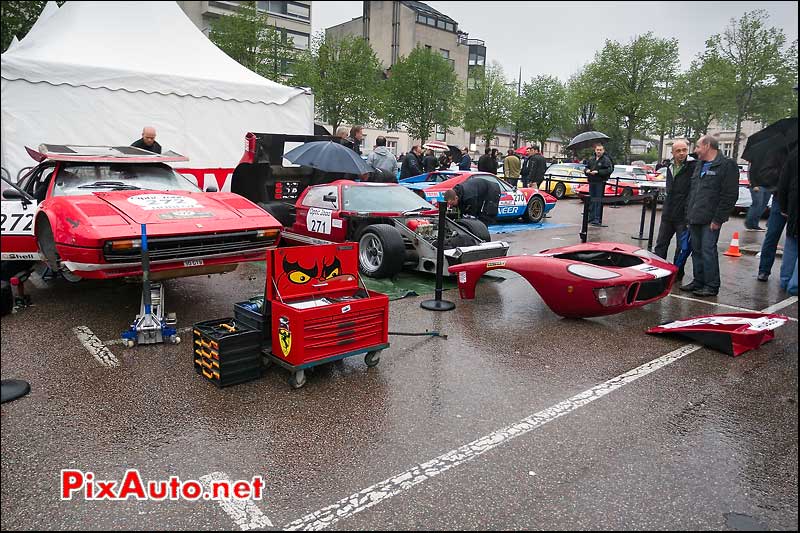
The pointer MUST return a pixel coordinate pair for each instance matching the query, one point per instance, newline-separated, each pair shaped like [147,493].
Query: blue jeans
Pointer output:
[775,226]
[705,257]
[789,265]
[760,200]
[596,191]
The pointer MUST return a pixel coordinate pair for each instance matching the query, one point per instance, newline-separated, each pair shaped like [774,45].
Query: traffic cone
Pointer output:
[733,249]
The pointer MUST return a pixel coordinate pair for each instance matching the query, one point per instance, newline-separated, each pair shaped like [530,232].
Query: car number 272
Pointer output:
[16,223]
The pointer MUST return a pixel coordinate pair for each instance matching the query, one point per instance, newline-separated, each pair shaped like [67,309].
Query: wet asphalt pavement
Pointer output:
[707,442]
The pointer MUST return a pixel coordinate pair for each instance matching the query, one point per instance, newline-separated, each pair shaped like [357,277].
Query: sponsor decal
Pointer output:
[284,336]
[29,256]
[151,202]
[184,214]
[462,277]
[495,264]
[346,309]
[756,324]
[319,220]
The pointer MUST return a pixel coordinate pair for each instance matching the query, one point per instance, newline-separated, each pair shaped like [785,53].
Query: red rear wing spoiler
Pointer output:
[101,154]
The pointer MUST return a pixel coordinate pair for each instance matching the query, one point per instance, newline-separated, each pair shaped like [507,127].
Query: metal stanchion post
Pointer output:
[437,304]
[653,198]
[585,224]
[641,236]
[616,193]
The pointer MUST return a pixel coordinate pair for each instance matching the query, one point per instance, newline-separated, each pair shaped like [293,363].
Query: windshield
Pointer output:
[85,178]
[381,199]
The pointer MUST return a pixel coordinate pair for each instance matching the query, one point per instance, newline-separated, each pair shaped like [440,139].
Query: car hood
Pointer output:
[158,207]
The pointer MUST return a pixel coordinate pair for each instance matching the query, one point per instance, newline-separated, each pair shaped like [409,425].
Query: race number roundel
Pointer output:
[150,202]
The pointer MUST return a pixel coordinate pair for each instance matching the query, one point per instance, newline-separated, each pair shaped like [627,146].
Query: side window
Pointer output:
[28,183]
[315,197]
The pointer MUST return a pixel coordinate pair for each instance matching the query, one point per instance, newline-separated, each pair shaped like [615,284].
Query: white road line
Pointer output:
[379,492]
[780,305]
[96,347]
[245,513]
[743,309]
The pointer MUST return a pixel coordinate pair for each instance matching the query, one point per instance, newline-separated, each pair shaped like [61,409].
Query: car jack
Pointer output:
[151,326]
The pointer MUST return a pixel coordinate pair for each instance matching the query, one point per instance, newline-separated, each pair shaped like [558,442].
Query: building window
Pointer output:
[440,24]
[472,83]
[298,10]
[291,9]
[391,145]
[441,134]
[428,46]
[301,40]
[450,26]
[445,53]
[727,149]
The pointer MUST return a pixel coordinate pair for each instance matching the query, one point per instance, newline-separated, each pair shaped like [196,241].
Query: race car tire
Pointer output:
[381,251]
[7,297]
[535,211]
[46,243]
[559,190]
[627,193]
[477,228]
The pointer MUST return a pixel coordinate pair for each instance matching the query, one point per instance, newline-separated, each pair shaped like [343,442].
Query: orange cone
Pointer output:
[733,249]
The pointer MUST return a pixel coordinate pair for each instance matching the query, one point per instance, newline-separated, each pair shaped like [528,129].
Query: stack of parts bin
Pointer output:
[226,352]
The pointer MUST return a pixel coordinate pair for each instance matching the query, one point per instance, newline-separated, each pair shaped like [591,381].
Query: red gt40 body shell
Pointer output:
[584,280]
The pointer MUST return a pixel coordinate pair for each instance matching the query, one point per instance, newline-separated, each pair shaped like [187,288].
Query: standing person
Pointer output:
[511,168]
[760,198]
[598,169]
[445,160]
[787,203]
[353,141]
[383,162]
[715,187]
[475,197]
[673,214]
[148,141]
[487,163]
[525,173]
[466,160]
[429,162]
[412,163]
[538,166]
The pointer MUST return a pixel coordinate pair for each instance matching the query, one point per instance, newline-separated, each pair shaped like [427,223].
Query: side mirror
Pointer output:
[14,194]
[329,198]
[212,188]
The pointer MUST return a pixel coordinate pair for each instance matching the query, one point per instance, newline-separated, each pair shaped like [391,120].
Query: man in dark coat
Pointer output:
[527,164]
[598,169]
[475,197]
[429,162]
[673,214]
[487,163]
[787,201]
[148,141]
[714,190]
[538,167]
[466,160]
[412,163]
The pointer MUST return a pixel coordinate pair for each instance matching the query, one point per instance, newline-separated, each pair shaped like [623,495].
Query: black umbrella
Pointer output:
[586,140]
[328,156]
[766,150]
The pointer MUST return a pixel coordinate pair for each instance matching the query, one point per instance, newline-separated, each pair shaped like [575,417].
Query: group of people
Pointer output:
[700,196]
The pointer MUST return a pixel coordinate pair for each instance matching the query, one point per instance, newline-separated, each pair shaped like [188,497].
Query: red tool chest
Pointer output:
[320,311]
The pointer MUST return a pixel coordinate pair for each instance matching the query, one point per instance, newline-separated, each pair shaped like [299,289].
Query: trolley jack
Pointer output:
[150,326]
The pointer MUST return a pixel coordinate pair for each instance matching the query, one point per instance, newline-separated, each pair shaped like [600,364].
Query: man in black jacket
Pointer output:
[487,163]
[538,166]
[787,202]
[429,162]
[148,140]
[475,197]
[598,169]
[412,163]
[673,214]
[713,194]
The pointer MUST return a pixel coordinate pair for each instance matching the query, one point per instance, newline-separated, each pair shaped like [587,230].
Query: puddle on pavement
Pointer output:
[743,522]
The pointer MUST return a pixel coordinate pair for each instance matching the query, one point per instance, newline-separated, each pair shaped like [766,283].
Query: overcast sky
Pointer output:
[557,38]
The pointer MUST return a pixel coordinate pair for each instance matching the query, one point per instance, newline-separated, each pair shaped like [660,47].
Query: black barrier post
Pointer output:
[616,193]
[437,304]
[641,236]
[585,224]
[653,199]
[11,389]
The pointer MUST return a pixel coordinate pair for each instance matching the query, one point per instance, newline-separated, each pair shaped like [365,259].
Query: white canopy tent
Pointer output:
[97,72]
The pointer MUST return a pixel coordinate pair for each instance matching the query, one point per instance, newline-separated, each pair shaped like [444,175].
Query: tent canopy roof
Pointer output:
[151,47]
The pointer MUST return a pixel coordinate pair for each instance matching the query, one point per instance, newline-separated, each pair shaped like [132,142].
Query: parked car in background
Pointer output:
[81,210]
[528,203]
[621,183]
[563,178]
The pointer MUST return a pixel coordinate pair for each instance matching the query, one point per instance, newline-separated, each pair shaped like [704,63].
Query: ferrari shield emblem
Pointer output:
[284,336]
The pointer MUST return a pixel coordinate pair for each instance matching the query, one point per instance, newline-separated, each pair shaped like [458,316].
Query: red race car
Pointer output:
[529,203]
[621,183]
[81,209]
[584,280]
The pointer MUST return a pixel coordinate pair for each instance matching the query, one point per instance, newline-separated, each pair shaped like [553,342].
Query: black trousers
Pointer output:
[666,231]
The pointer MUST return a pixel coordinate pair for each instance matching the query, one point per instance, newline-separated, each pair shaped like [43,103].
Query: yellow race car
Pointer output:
[565,178]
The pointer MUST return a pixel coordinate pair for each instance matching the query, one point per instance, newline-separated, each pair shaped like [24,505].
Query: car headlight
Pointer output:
[123,245]
[611,296]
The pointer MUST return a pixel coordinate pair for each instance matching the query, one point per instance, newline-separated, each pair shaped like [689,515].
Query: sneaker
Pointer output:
[691,286]
[762,276]
[757,228]
[705,291]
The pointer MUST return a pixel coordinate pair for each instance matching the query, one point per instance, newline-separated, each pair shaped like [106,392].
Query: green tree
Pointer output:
[544,100]
[748,60]
[778,100]
[346,77]
[247,37]
[627,78]
[423,92]
[18,17]
[699,99]
[489,103]
[581,103]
